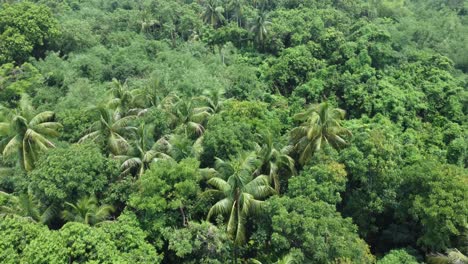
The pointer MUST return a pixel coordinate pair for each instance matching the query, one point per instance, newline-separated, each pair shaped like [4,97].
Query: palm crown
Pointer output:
[87,211]
[240,194]
[320,124]
[26,133]
[111,129]
[273,160]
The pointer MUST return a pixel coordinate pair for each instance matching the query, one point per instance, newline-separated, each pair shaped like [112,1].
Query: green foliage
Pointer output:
[309,226]
[165,197]
[15,81]
[71,172]
[170,95]
[434,198]
[291,69]
[320,125]
[26,28]
[88,244]
[398,256]
[47,247]
[15,234]
[197,242]
[321,182]
[234,129]
[130,240]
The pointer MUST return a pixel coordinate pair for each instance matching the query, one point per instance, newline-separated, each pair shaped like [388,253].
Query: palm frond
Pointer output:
[42,118]
[222,207]
[11,147]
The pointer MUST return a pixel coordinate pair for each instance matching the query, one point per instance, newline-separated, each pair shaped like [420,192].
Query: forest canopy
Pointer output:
[234,131]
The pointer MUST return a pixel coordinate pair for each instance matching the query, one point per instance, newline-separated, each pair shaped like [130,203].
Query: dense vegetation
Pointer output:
[219,131]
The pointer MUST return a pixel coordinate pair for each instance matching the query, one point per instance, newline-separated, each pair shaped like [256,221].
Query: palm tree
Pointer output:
[25,205]
[453,257]
[240,195]
[213,99]
[144,152]
[87,211]
[155,94]
[122,97]
[26,133]
[111,130]
[181,147]
[237,8]
[190,117]
[321,124]
[273,160]
[260,28]
[213,13]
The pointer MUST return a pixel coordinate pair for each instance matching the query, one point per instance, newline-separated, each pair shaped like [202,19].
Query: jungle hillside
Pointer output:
[234,131]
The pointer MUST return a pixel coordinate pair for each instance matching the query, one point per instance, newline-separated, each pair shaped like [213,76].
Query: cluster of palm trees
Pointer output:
[86,210]
[217,12]
[126,138]
[240,185]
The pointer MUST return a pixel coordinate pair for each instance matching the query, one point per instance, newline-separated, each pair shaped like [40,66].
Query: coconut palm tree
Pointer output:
[155,94]
[26,133]
[273,160]
[25,205]
[260,28]
[213,99]
[122,97]
[190,117]
[321,124]
[240,194]
[87,211]
[144,152]
[111,130]
[213,13]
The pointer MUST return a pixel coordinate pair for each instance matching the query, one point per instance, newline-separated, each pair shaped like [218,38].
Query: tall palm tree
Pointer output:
[213,13]
[111,130]
[273,160]
[25,205]
[260,28]
[240,193]
[26,133]
[144,152]
[321,124]
[87,211]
